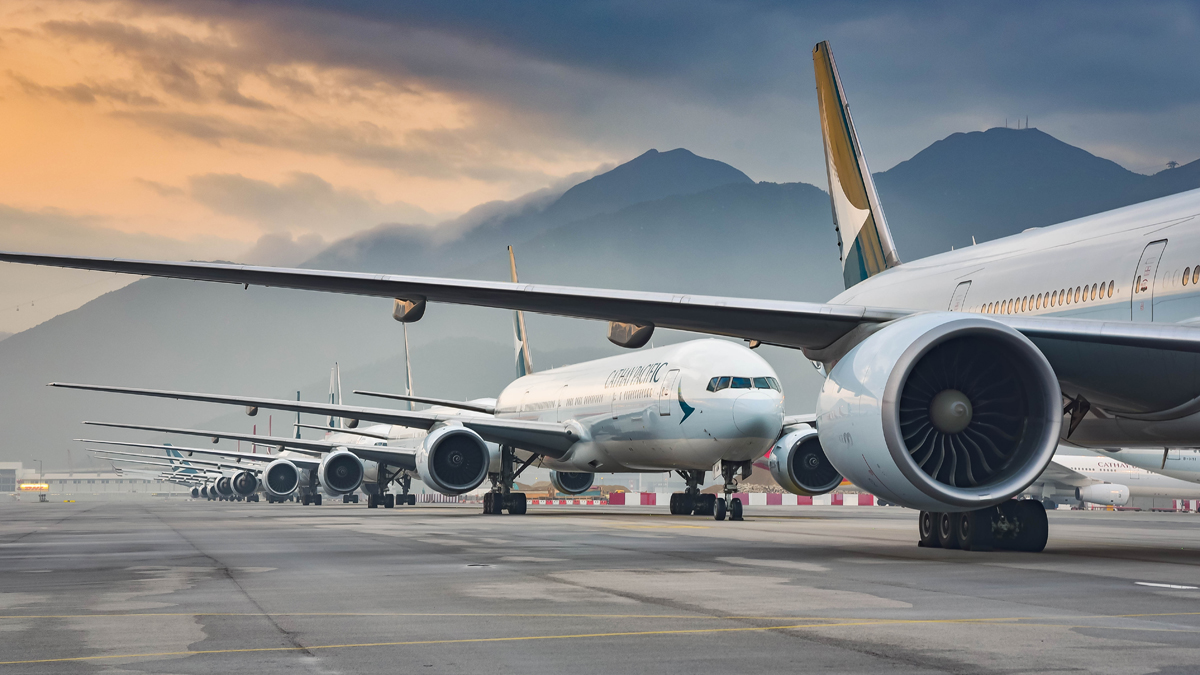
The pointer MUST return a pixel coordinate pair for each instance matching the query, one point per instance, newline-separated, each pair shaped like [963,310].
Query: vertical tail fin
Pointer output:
[863,235]
[524,358]
[335,396]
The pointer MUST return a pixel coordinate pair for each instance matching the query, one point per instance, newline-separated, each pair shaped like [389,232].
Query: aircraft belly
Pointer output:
[1128,433]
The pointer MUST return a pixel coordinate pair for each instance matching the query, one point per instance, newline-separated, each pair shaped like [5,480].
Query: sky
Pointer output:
[262,131]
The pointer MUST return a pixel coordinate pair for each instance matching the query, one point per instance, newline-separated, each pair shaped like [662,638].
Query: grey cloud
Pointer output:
[161,189]
[282,250]
[301,203]
[83,93]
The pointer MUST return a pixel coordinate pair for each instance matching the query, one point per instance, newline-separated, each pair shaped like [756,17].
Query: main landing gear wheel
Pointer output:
[1014,525]
[389,501]
[316,500]
[371,502]
[927,529]
[719,509]
[690,501]
[517,503]
[492,504]
[704,505]
[945,531]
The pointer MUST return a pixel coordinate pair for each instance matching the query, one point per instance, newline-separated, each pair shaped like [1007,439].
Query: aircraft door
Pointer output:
[562,398]
[959,299]
[1142,300]
[664,394]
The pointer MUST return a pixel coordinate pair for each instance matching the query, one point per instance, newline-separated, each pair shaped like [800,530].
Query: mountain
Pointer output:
[417,250]
[701,227]
[990,184]
[5,335]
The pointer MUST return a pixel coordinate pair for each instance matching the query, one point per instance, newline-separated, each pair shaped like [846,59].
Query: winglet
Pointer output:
[863,236]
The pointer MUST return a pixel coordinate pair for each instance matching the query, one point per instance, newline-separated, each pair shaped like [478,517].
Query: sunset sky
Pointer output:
[260,131]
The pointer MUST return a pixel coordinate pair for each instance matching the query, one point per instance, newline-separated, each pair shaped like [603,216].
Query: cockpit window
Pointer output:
[718,383]
[740,383]
[762,383]
[775,384]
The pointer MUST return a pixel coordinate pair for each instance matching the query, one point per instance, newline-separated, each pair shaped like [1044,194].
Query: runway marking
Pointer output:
[1154,585]
[522,638]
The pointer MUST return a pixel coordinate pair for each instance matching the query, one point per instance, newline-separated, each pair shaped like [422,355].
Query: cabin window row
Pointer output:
[1191,274]
[1065,296]
[729,382]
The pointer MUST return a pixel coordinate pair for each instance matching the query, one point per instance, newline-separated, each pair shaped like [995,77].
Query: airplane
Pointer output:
[949,380]
[691,407]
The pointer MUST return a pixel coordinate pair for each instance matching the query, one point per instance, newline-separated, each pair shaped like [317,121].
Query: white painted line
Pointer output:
[1153,585]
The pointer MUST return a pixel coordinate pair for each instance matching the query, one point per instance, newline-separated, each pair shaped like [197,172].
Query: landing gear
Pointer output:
[350,499]
[729,504]
[502,497]
[316,499]
[691,501]
[389,501]
[404,497]
[1014,525]
[373,501]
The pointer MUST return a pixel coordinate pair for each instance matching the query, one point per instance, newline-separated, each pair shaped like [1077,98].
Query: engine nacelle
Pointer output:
[572,482]
[281,479]
[941,412]
[195,493]
[223,487]
[244,483]
[1104,494]
[204,492]
[798,463]
[341,472]
[453,460]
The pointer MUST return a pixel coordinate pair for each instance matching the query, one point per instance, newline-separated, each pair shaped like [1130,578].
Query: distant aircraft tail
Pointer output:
[178,460]
[335,396]
[524,358]
[863,236]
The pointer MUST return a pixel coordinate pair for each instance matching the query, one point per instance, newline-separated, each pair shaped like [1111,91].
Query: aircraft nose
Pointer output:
[758,414]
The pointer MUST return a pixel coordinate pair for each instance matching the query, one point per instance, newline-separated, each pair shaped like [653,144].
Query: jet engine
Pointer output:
[1104,494]
[572,482]
[222,487]
[799,465]
[453,460]
[244,483]
[204,492]
[341,472]
[281,479]
[195,493]
[941,412]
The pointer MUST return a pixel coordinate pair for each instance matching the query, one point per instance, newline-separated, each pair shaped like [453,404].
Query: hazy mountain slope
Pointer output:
[412,250]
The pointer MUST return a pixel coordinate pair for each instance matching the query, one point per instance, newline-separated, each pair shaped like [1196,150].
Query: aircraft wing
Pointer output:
[544,438]
[308,447]
[237,456]
[790,324]
[200,467]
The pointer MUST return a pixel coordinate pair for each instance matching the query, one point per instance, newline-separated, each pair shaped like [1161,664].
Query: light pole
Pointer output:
[41,471]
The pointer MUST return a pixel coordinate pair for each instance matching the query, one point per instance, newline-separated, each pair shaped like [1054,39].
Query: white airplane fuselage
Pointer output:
[652,410]
[1140,481]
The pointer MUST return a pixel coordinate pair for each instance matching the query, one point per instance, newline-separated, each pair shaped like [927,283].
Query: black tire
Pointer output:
[974,530]
[735,509]
[705,504]
[304,500]
[389,501]
[719,509]
[687,504]
[1035,528]
[317,499]
[946,525]
[412,500]
[927,530]
[517,504]
[675,503]
[487,503]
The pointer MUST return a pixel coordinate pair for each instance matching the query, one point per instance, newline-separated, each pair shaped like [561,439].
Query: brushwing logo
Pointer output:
[687,409]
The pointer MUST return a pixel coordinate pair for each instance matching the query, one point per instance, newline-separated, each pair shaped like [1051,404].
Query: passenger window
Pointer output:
[1076,294]
[761,383]
[1093,291]
[1187,272]
[1110,284]
[1053,298]
[740,383]
[1038,305]
[1196,274]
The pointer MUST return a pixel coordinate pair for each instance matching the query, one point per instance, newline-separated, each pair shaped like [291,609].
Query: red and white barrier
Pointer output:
[568,502]
[749,499]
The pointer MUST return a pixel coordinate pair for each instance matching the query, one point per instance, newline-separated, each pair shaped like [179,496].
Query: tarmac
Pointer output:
[169,586]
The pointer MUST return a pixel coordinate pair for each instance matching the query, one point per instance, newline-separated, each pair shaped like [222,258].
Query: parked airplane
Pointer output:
[946,377]
[687,408]
[1073,479]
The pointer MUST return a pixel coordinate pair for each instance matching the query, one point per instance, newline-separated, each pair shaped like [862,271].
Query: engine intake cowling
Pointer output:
[281,479]
[244,484]
[223,487]
[941,412]
[798,463]
[341,472]
[453,460]
[572,482]
[195,493]
[1104,494]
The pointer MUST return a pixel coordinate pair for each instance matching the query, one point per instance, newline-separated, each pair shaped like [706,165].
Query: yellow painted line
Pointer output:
[430,642]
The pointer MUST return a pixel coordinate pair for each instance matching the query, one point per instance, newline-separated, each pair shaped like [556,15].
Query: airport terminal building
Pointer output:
[17,481]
